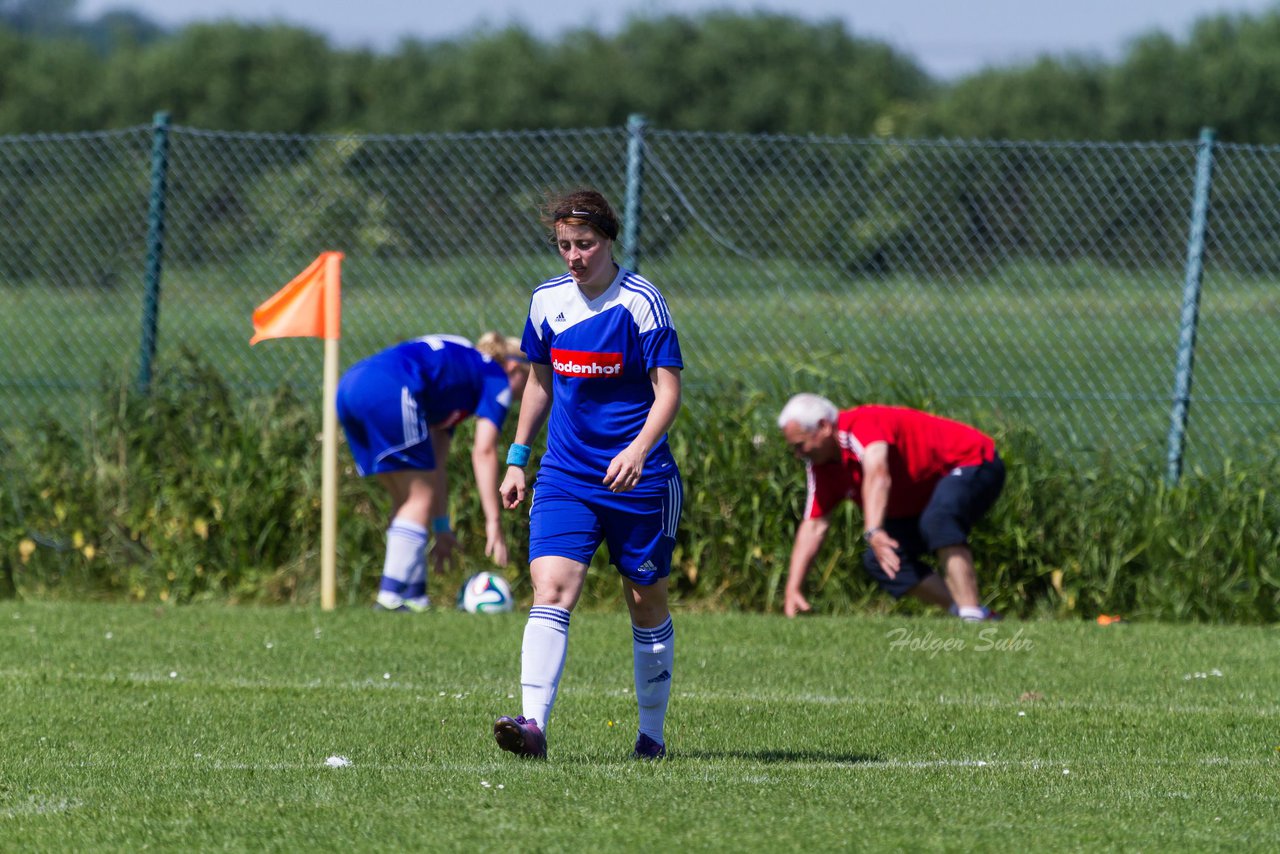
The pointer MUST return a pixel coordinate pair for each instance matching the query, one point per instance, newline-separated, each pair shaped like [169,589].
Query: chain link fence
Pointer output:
[1072,288]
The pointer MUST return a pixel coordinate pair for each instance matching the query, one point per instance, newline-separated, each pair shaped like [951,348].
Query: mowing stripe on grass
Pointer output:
[1259,710]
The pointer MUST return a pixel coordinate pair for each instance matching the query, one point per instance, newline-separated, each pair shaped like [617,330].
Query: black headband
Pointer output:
[609,228]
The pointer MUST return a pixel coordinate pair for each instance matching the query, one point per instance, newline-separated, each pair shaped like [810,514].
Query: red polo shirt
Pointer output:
[923,449]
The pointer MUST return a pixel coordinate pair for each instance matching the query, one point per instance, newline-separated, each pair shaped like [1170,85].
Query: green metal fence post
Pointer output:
[636,125]
[155,247]
[1190,306]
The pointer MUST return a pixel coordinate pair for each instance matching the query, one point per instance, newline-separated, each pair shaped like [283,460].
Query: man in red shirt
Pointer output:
[922,482]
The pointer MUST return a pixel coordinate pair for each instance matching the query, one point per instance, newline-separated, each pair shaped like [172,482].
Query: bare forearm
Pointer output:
[875,499]
[810,536]
[484,462]
[876,483]
[534,405]
[662,414]
[440,441]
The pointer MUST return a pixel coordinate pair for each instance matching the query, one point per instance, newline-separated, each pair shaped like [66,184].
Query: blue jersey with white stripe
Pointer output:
[600,352]
[449,379]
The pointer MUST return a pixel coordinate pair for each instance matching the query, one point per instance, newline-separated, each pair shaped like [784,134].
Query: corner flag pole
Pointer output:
[329,449]
[310,306]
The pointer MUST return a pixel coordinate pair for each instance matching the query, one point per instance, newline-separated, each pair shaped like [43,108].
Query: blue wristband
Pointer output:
[518,455]
[440,525]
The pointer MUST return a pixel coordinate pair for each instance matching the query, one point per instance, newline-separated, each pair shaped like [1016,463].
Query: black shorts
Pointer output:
[959,500]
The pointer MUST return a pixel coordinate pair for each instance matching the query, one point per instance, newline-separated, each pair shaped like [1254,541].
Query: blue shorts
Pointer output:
[639,530]
[959,500]
[384,425]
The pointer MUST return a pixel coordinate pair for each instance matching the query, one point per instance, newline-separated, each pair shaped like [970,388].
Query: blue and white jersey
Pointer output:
[448,379]
[600,352]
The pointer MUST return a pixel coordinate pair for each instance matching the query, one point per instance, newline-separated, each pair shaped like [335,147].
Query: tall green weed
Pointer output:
[180,494]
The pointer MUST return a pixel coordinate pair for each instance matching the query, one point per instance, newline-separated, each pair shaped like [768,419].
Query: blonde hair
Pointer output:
[499,347]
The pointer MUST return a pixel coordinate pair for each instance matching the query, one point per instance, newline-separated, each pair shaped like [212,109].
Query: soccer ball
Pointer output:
[485,593]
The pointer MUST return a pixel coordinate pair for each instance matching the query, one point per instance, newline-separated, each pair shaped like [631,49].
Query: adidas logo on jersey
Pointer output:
[560,317]
[586,364]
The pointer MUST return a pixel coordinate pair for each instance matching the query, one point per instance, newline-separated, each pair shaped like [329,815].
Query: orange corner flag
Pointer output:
[307,307]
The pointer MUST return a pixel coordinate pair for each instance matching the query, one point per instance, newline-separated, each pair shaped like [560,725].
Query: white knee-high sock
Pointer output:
[546,642]
[404,569]
[654,653]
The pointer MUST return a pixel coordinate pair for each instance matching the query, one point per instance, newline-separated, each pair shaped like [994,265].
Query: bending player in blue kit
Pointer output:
[399,408]
[606,372]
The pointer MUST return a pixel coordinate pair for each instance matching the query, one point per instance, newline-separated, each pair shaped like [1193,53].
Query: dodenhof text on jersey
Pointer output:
[584,363]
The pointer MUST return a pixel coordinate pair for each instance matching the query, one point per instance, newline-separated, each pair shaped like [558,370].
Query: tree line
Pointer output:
[721,71]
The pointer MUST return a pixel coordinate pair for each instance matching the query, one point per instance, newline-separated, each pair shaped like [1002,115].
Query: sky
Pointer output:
[949,38]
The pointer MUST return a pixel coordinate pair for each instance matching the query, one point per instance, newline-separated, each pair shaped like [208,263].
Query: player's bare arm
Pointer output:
[876,483]
[810,535]
[535,404]
[626,468]
[484,463]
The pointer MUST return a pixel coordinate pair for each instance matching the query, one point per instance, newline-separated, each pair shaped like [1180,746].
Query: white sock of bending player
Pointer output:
[546,642]
[654,654]
[404,569]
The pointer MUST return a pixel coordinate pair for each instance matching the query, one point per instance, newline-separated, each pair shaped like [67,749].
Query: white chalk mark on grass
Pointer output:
[39,806]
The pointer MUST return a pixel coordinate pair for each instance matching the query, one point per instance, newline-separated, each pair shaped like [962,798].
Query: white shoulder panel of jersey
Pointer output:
[643,301]
[437,342]
[549,299]
[560,304]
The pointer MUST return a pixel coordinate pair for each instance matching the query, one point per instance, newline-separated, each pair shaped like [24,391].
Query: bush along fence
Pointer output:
[151,504]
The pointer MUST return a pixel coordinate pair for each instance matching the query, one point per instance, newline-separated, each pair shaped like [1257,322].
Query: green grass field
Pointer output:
[208,728]
[1083,354]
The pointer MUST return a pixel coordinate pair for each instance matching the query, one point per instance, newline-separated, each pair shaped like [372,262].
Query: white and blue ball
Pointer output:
[485,593]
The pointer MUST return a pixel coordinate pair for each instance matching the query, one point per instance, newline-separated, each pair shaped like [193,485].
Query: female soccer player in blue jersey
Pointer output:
[399,408]
[606,373]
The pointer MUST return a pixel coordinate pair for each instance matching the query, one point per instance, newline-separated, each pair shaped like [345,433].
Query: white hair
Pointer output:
[807,410]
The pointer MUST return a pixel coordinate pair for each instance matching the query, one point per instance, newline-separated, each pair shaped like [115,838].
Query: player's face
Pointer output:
[818,445]
[588,255]
[517,376]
